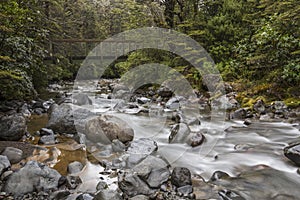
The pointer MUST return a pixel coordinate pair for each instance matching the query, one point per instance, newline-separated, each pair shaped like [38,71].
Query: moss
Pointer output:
[15,85]
[292,102]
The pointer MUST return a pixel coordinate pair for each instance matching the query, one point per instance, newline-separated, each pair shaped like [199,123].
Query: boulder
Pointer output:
[14,155]
[181,176]
[81,99]
[12,127]
[139,150]
[131,184]
[33,176]
[153,170]
[292,152]
[67,118]
[179,133]
[106,128]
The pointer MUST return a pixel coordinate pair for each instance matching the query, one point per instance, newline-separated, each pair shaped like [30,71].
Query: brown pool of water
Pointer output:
[36,122]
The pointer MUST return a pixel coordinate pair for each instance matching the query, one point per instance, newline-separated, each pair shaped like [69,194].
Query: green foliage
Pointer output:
[15,85]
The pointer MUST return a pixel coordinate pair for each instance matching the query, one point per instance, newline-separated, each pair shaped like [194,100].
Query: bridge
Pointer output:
[79,49]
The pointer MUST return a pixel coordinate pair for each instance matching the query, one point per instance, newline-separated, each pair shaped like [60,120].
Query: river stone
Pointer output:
[85,196]
[118,146]
[230,195]
[139,197]
[181,176]
[47,140]
[165,92]
[179,133]
[106,128]
[143,100]
[174,103]
[131,184]
[153,170]
[63,118]
[259,106]
[239,114]
[14,155]
[12,127]
[108,195]
[60,195]
[46,131]
[218,175]
[33,176]
[292,152]
[4,163]
[73,181]
[139,149]
[196,139]
[185,190]
[81,99]
[75,167]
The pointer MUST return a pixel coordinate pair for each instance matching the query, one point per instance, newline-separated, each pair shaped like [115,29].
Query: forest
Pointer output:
[254,43]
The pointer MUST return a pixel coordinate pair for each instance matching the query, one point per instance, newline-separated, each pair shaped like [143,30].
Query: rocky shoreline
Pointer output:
[135,165]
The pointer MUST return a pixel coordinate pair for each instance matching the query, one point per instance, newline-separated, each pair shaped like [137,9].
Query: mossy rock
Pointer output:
[16,85]
[292,102]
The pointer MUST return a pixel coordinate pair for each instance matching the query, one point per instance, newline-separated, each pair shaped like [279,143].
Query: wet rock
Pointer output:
[80,138]
[174,103]
[38,111]
[85,196]
[247,122]
[229,195]
[47,140]
[218,175]
[60,195]
[46,131]
[165,92]
[4,163]
[12,127]
[239,114]
[5,175]
[139,197]
[33,176]
[14,155]
[196,139]
[118,146]
[140,149]
[153,170]
[75,167]
[101,186]
[25,110]
[279,107]
[63,118]
[131,184]
[73,181]
[81,99]
[106,128]
[108,195]
[179,133]
[259,106]
[185,190]
[292,152]
[143,100]
[181,176]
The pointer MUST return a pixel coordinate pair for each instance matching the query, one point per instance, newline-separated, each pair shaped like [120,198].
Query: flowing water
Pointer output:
[230,146]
